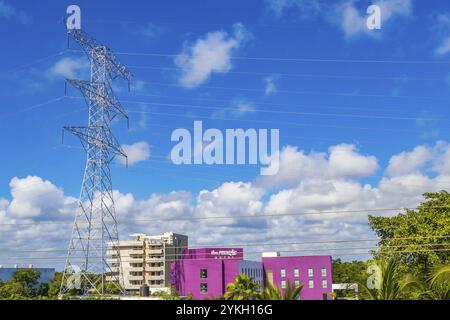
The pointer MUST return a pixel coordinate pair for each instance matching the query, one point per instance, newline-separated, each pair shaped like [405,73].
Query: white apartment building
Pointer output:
[146,260]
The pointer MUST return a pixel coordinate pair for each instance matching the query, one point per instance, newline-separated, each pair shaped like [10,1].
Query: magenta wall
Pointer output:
[302,263]
[222,269]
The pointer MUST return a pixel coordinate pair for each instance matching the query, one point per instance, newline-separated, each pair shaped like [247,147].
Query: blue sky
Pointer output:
[362,119]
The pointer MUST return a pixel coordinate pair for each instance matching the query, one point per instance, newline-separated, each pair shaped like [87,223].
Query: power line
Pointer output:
[257,120]
[377,108]
[302,75]
[343,94]
[32,107]
[269,121]
[349,141]
[281,59]
[183,169]
[368,250]
[185,256]
[128,221]
[318,114]
[28,64]
[262,244]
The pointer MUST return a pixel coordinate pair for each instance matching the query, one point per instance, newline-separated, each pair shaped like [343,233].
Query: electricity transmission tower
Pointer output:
[93,257]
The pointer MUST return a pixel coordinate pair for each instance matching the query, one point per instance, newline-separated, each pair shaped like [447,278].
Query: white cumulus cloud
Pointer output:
[71,68]
[341,161]
[33,197]
[210,54]
[136,152]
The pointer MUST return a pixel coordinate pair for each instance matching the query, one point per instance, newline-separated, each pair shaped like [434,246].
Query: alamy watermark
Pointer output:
[74,277]
[235,146]
[73,21]
[373,22]
[374,279]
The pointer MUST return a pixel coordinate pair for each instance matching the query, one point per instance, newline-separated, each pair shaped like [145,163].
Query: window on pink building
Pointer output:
[283,284]
[203,288]
[324,284]
[310,272]
[296,272]
[203,273]
[283,273]
[311,284]
[324,272]
[297,283]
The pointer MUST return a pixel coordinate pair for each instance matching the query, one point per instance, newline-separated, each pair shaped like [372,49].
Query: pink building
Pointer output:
[313,272]
[205,272]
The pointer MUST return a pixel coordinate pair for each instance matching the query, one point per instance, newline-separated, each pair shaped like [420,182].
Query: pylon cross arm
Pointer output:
[91,90]
[90,46]
[89,135]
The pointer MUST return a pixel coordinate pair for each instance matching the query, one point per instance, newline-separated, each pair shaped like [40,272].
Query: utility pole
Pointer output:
[93,256]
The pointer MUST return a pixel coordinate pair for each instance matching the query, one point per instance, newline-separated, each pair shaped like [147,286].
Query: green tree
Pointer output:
[349,272]
[243,288]
[55,285]
[23,284]
[14,291]
[418,238]
[28,278]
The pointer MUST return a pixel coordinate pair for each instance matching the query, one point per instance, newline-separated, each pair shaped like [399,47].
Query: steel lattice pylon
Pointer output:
[93,257]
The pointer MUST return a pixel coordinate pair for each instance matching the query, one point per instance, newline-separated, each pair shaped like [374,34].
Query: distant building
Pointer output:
[339,287]
[46,274]
[206,272]
[313,272]
[146,260]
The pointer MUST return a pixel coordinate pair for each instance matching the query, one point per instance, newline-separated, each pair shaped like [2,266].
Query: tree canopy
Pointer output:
[24,284]
[418,238]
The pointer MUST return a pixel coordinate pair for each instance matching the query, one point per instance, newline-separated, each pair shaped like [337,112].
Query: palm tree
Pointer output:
[390,286]
[292,292]
[272,292]
[436,286]
[440,273]
[243,288]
